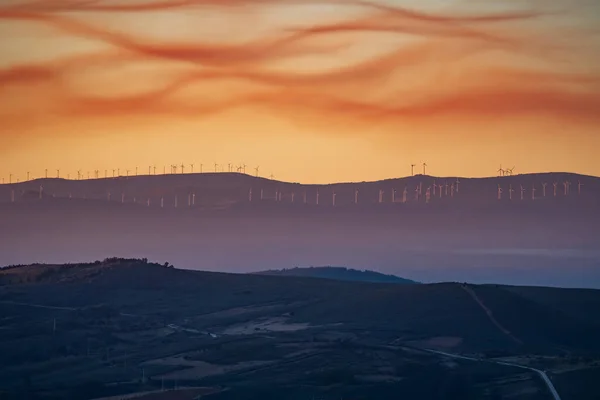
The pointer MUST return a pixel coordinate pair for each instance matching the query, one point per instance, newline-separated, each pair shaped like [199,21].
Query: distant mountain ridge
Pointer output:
[338,273]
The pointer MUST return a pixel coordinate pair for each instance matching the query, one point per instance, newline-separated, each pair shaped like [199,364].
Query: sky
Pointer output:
[311,91]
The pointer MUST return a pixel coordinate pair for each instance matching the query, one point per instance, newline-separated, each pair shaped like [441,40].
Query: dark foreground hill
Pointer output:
[82,331]
[338,273]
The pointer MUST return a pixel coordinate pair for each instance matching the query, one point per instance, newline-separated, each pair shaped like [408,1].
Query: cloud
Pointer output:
[460,66]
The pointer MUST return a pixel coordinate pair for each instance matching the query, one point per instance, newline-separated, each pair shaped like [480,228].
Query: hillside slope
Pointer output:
[338,273]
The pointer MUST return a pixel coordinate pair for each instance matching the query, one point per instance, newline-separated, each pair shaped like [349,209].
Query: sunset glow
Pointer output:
[312,91]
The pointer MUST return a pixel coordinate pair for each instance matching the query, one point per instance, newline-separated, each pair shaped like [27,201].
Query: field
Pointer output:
[128,326]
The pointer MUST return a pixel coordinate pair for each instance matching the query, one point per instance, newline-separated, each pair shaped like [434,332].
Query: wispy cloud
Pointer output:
[435,64]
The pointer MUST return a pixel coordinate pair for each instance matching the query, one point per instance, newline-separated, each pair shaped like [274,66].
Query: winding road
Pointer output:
[541,373]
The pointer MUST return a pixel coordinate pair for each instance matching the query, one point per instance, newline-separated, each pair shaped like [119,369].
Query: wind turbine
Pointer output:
[424,168]
[447,186]
[46,173]
[522,192]
[567,187]
[333,198]
[271,177]
[27,175]
[355,196]
[533,189]
[417,193]
[428,195]
[192,166]
[499,192]
[317,196]
[434,187]
[201,167]
[579,185]
[216,166]
[501,171]
[555,184]
[510,192]
[136,171]
[250,194]
[244,168]
[182,168]
[393,195]
[412,169]
[127,172]
[380,196]
[229,167]
[452,190]
[256,170]
[404,194]
[457,183]
[544,188]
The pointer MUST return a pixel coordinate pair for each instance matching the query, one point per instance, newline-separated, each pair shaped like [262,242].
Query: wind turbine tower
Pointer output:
[333,195]
[533,189]
[412,169]
[555,184]
[27,175]
[457,182]
[250,194]
[428,195]
[510,192]
[446,186]
[380,196]
[256,170]
[417,193]
[424,168]
[393,195]
[579,185]
[404,194]
[522,192]
[317,196]
[499,192]
[355,196]
[544,189]
[434,187]
[452,190]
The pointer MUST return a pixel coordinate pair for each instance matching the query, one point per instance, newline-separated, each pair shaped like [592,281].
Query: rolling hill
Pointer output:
[338,273]
[78,329]
[469,236]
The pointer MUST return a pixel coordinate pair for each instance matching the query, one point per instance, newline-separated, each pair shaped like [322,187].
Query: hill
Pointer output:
[97,328]
[467,236]
[338,273]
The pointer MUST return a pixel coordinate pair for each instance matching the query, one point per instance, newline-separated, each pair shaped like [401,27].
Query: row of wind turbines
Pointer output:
[118,172]
[566,190]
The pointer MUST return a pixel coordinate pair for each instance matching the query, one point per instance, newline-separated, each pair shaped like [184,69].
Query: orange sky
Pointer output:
[312,91]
